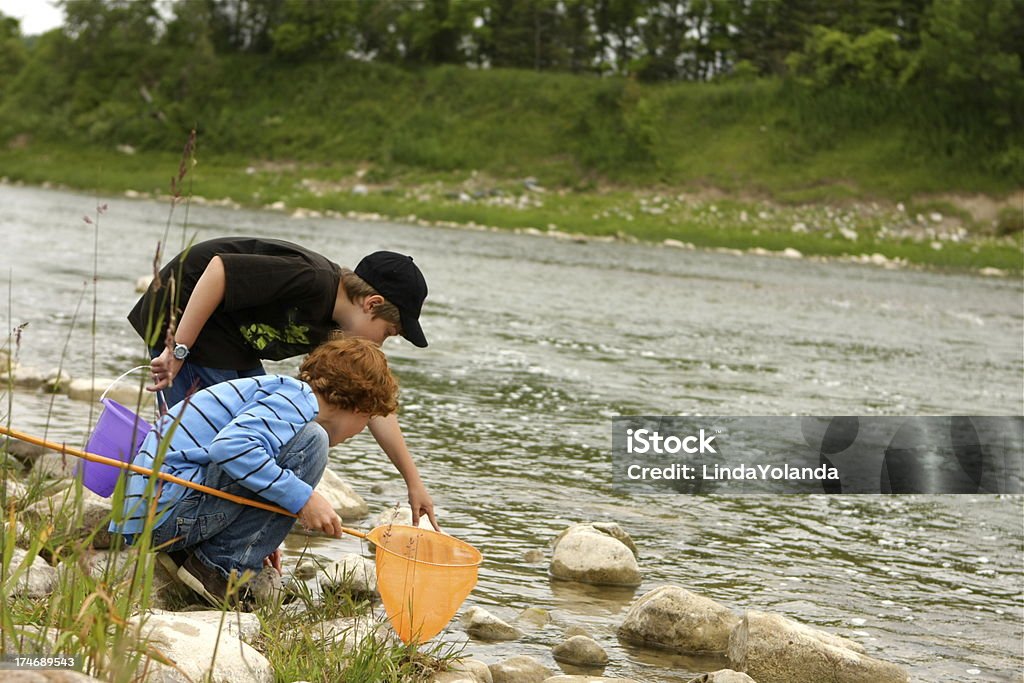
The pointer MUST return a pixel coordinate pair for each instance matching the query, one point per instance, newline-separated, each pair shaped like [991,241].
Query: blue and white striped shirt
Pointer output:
[241,425]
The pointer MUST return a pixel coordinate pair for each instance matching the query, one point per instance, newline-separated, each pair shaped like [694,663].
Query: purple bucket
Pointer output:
[118,434]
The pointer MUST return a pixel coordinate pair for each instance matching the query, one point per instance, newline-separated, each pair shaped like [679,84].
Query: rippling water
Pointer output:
[536,343]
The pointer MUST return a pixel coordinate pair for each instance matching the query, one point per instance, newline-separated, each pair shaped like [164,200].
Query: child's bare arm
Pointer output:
[389,437]
[206,296]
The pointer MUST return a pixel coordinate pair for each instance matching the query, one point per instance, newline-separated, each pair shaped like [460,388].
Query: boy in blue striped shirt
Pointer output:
[262,437]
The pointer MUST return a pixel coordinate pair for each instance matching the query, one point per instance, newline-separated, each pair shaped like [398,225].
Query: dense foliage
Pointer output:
[942,79]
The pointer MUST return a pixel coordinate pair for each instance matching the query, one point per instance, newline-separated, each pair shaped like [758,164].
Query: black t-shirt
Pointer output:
[278,301]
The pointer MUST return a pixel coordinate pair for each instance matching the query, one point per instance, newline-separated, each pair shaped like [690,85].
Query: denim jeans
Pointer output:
[192,377]
[226,535]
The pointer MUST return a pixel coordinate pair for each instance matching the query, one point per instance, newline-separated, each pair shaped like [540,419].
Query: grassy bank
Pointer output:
[738,164]
[760,137]
[933,233]
[94,603]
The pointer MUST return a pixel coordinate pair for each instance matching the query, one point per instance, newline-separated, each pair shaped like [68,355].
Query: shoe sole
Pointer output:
[197,586]
[169,565]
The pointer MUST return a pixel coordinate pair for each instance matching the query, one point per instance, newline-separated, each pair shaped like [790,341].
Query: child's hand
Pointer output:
[164,369]
[318,515]
[421,504]
[273,560]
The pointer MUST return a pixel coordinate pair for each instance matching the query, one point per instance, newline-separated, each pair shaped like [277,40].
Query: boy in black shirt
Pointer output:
[235,301]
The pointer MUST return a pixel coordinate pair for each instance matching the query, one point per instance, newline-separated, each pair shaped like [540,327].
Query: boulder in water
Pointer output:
[580,651]
[520,669]
[774,649]
[483,625]
[673,618]
[585,554]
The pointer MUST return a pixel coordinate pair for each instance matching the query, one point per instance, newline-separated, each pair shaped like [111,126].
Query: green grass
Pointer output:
[599,145]
[298,645]
[89,614]
[762,138]
[654,213]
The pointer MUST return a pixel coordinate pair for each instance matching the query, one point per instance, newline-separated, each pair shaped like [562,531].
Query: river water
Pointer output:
[536,343]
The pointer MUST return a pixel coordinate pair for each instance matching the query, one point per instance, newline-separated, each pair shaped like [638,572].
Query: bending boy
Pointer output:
[239,300]
[260,437]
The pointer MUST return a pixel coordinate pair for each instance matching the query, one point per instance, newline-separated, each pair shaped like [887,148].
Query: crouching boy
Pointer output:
[263,438]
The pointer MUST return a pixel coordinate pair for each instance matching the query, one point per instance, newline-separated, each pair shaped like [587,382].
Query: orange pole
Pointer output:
[103,460]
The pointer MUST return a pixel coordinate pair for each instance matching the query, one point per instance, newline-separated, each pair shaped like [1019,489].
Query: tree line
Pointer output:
[827,40]
[962,59]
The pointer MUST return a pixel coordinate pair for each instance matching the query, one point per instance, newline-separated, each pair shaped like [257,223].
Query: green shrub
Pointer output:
[1010,220]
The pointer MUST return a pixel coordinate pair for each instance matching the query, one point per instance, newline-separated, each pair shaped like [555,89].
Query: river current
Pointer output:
[536,343]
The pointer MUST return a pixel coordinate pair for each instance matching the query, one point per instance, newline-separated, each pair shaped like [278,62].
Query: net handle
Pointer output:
[103,460]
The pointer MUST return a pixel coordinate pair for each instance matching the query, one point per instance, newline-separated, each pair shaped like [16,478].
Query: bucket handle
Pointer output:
[106,391]
[123,375]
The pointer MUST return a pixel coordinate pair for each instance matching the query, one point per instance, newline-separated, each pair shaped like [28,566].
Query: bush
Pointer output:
[833,58]
[1010,221]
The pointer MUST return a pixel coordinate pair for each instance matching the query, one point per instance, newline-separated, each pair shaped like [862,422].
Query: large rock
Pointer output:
[24,451]
[10,464]
[28,377]
[15,492]
[190,644]
[587,555]
[53,465]
[723,676]
[125,392]
[520,669]
[48,676]
[580,651]
[465,671]
[29,638]
[610,528]
[115,565]
[483,625]
[350,632]
[242,625]
[352,573]
[673,618]
[342,497]
[305,570]
[56,380]
[74,513]
[38,580]
[774,649]
[587,679]
[267,587]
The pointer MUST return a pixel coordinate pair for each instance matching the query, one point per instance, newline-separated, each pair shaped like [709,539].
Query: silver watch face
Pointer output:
[180,351]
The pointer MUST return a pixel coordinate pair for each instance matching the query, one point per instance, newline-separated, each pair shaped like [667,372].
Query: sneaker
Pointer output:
[172,560]
[210,584]
[205,581]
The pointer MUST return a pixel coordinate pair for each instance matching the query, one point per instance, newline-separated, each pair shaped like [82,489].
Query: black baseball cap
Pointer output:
[397,279]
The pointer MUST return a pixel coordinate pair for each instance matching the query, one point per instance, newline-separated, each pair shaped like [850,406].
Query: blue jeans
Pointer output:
[226,535]
[194,377]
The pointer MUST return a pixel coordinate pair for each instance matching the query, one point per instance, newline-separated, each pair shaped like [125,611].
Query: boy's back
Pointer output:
[240,425]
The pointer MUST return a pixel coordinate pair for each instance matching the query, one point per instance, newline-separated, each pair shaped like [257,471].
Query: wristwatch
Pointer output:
[180,351]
